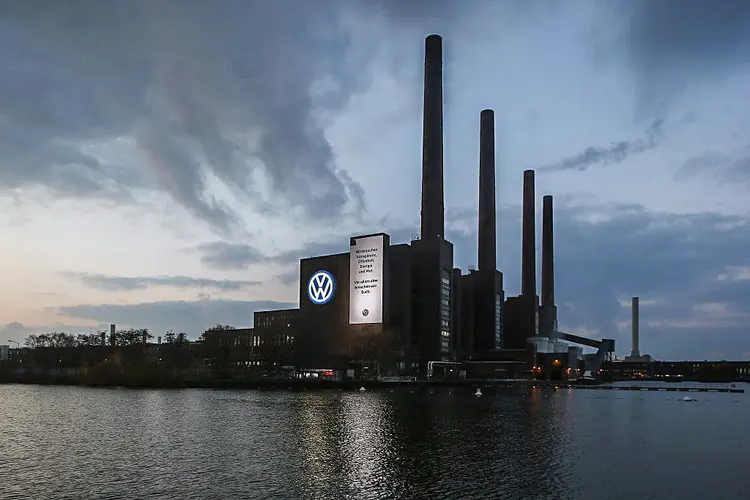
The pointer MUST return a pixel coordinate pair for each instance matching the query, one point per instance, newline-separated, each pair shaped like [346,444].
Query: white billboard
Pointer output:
[366,280]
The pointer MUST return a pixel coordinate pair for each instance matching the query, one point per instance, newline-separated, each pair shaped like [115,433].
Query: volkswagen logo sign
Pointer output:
[365,312]
[320,288]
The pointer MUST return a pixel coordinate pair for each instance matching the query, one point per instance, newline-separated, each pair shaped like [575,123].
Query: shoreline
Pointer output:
[301,385]
[286,384]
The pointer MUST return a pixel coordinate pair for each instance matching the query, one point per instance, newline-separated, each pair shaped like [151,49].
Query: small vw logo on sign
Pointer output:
[365,312]
[320,287]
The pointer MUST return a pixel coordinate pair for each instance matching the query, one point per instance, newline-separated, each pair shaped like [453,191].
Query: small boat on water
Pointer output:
[687,399]
[478,393]
[362,389]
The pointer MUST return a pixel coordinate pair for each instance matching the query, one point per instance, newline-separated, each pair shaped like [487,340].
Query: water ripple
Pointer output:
[79,443]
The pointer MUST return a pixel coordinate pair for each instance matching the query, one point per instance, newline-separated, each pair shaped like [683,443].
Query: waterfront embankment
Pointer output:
[210,380]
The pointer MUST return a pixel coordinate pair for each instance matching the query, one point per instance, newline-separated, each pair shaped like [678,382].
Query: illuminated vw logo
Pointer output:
[320,287]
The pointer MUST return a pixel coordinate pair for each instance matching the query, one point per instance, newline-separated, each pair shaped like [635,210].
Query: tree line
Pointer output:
[61,339]
[121,338]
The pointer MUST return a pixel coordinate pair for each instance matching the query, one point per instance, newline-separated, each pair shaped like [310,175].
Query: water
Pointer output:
[81,443]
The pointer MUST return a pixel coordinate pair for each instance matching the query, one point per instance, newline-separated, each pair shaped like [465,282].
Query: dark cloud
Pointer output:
[58,90]
[191,317]
[238,90]
[677,258]
[229,256]
[125,283]
[288,277]
[177,169]
[64,168]
[605,254]
[719,166]
[233,88]
[436,16]
[699,164]
[617,152]
[235,256]
[334,245]
[241,90]
[673,43]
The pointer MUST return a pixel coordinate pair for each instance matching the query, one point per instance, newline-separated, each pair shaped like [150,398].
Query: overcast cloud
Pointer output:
[165,148]
[122,283]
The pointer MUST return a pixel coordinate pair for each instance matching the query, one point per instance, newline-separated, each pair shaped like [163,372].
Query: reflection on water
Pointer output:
[80,443]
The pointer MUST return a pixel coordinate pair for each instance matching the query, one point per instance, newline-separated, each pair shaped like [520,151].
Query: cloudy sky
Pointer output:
[164,164]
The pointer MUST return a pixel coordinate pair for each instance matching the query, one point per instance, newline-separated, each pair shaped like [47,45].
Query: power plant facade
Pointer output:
[404,309]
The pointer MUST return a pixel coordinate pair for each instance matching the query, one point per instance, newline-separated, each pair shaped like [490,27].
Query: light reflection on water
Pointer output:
[79,443]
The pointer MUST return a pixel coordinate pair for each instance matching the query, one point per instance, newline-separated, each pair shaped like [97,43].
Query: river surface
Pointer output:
[84,443]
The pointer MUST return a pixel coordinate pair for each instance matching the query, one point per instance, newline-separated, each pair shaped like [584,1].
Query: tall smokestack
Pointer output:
[634,306]
[487,226]
[432,140]
[528,257]
[548,254]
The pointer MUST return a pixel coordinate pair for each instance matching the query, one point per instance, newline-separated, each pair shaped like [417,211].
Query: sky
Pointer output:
[165,164]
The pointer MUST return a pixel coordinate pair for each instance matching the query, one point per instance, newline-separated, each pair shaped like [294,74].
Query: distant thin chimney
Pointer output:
[635,319]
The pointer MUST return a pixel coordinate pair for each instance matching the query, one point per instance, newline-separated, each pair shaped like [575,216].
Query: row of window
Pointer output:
[498,321]
[445,311]
[273,339]
[267,320]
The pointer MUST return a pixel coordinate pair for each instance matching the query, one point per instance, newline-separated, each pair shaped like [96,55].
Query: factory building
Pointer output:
[352,313]
[403,309]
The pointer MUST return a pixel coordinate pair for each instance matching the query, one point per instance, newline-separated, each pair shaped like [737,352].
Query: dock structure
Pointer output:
[731,389]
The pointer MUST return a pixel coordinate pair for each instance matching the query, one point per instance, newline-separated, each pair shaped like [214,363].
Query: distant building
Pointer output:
[228,348]
[4,351]
[706,371]
[478,312]
[274,336]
